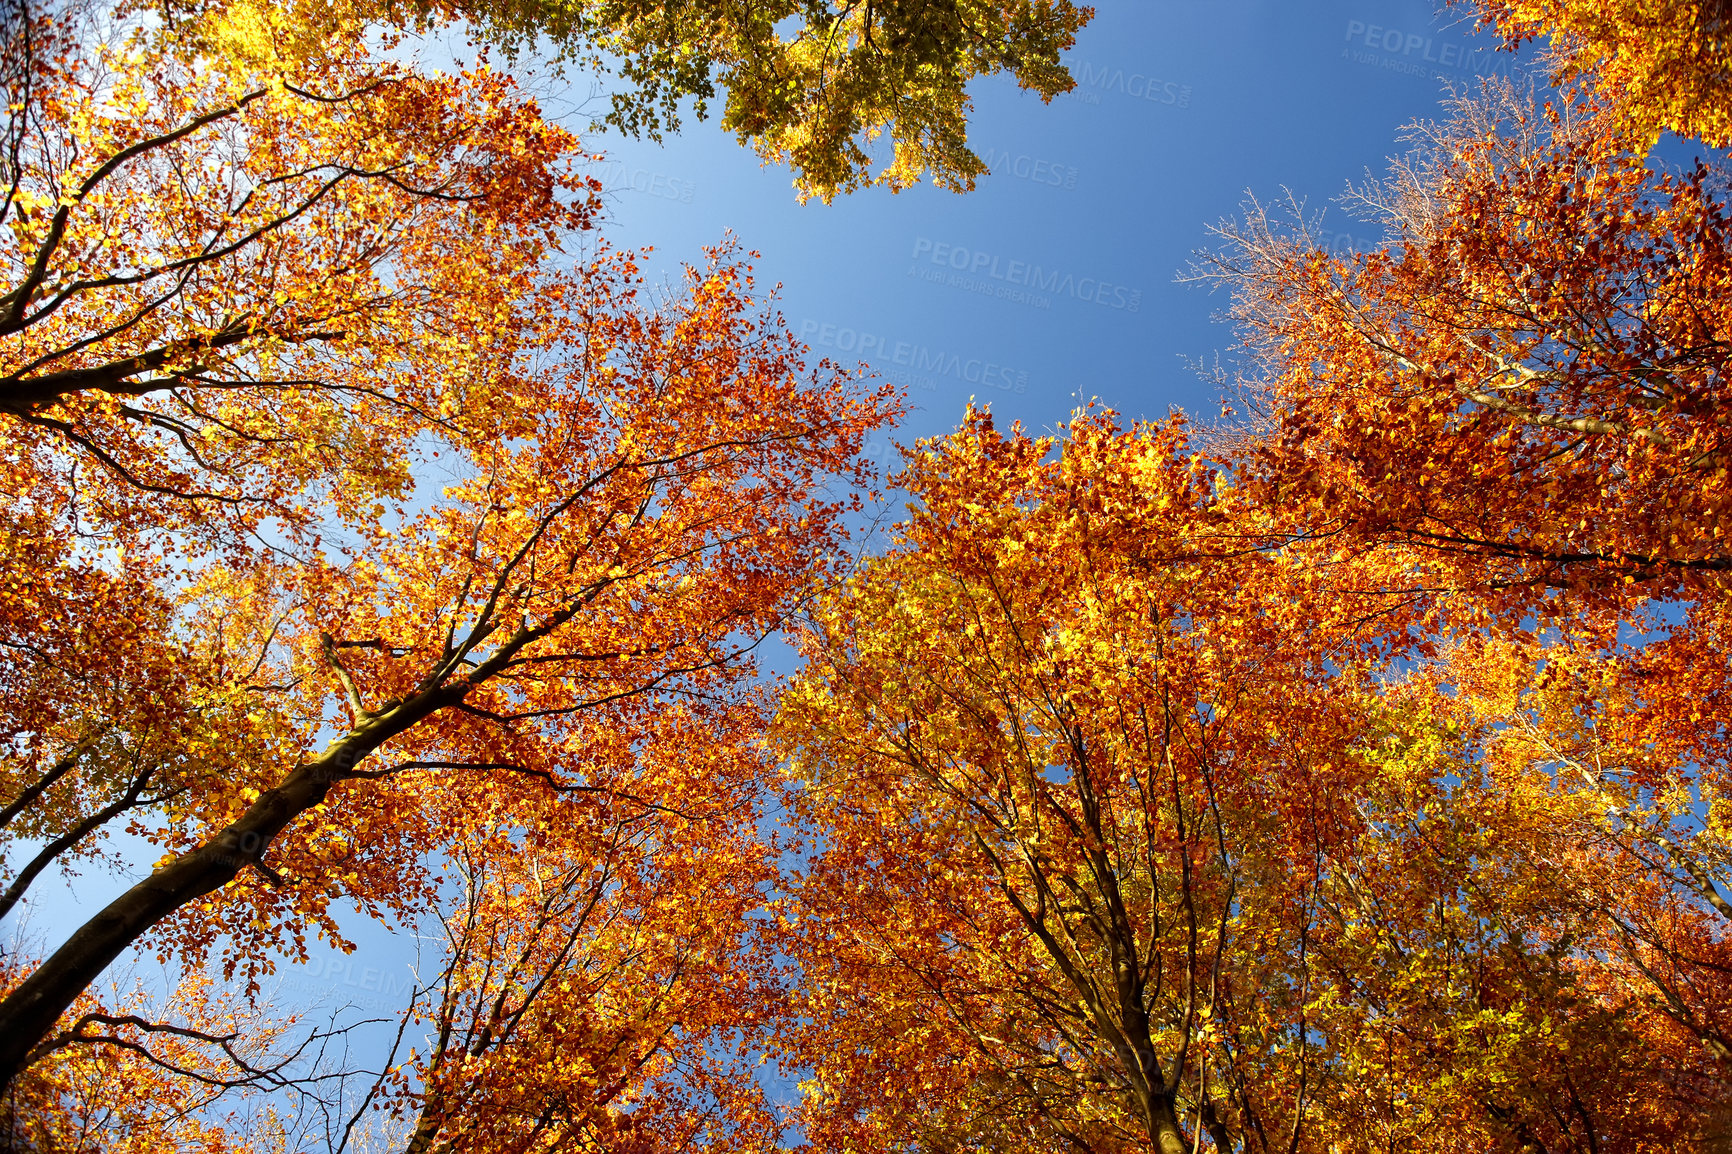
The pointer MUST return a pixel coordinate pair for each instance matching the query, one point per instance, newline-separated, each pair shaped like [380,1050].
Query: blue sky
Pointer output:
[1181,108]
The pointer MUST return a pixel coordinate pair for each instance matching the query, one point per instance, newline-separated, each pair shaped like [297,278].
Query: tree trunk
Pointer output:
[29,1012]
[1164,1129]
[426,1130]
[1216,1128]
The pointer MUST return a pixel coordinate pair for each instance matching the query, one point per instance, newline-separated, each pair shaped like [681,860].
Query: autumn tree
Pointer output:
[807,83]
[1484,456]
[646,514]
[599,968]
[265,287]
[1476,986]
[1663,66]
[1504,419]
[1520,386]
[1128,831]
[231,298]
[1628,825]
[1078,785]
[313,430]
[266,660]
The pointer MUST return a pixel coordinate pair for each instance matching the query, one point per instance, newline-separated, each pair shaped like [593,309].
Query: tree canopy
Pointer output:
[1348,774]
[812,84]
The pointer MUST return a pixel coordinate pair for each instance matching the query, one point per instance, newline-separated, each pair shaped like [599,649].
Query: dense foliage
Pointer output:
[1349,775]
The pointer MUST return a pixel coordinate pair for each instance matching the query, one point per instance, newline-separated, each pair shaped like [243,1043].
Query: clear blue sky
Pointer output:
[1182,106]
